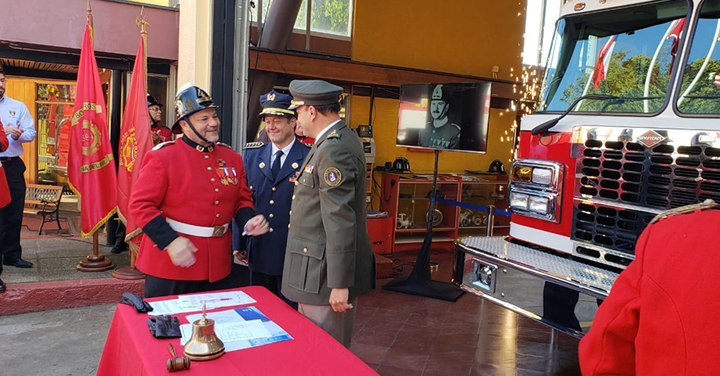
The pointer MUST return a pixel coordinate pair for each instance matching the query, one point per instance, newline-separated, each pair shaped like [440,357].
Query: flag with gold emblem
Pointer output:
[91,166]
[135,138]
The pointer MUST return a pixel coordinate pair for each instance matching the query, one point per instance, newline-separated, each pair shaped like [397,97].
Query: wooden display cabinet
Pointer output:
[406,198]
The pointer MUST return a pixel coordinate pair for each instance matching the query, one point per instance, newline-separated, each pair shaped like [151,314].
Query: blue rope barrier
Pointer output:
[473,206]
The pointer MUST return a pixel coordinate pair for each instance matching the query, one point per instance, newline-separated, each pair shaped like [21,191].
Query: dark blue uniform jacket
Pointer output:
[272,198]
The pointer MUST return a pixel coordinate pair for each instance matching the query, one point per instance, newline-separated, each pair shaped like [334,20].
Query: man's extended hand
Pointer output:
[13,131]
[241,256]
[257,225]
[339,300]
[181,252]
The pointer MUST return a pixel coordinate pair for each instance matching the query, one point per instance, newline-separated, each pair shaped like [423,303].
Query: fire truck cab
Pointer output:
[627,126]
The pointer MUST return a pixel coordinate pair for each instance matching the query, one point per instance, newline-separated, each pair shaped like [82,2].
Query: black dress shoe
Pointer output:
[117,249]
[19,263]
[2,286]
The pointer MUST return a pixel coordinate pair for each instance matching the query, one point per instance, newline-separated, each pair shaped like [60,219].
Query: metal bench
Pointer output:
[43,200]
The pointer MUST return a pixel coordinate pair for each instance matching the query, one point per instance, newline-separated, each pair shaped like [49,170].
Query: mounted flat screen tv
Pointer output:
[444,116]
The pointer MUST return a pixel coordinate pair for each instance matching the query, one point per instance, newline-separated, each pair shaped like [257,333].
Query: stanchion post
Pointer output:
[490,220]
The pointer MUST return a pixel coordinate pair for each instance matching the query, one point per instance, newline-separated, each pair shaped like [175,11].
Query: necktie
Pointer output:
[275,169]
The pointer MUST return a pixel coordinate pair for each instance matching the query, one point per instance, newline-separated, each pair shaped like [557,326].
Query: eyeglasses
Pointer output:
[154,109]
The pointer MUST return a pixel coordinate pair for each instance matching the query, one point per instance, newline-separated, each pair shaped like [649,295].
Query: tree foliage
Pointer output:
[704,97]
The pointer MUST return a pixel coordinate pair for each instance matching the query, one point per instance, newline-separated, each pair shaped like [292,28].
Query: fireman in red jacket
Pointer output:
[187,193]
[660,317]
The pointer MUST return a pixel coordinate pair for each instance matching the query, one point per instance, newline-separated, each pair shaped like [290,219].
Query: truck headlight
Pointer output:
[536,189]
[518,201]
[542,176]
[538,205]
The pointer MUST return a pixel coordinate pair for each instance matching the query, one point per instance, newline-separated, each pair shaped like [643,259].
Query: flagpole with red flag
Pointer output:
[91,167]
[135,141]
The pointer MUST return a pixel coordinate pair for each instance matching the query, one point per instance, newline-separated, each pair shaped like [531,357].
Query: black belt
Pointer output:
[8,159]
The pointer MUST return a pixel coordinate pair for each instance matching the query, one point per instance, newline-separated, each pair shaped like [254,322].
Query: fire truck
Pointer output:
[627,126]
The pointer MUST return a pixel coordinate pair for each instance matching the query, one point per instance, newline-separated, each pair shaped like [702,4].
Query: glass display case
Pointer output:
[406,197]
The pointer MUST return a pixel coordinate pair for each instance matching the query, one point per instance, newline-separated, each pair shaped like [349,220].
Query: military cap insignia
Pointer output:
[295,165]
[707,204]
[271,97]
[162,145]
[262,165]
[253,145]
[332,176]
[333,134]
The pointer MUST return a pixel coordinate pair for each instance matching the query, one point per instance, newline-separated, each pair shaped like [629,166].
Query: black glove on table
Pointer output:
[164,326]
[136,301]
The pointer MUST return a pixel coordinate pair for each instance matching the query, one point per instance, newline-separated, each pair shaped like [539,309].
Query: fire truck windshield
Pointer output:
[626,52]
[700,85]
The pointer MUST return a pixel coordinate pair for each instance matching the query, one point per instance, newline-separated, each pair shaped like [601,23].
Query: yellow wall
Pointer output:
[195,48]
[454,36]
[457,36]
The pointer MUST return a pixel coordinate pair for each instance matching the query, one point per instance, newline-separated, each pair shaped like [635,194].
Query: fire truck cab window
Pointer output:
[700,86]
[628,53]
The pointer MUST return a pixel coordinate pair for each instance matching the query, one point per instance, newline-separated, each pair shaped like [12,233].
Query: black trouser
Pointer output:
[155,286]
[272,283]
[116,232]
[11,215]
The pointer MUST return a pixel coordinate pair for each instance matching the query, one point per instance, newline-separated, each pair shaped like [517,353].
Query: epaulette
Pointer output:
[162,145]
[333,134]
[222,144]
[253,145]
[707,204]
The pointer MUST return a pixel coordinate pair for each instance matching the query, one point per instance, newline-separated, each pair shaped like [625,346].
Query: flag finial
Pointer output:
[140,21]
[89,14]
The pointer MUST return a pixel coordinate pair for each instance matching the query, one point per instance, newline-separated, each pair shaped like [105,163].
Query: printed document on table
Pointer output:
[240,328]
[216,299]
[194,303]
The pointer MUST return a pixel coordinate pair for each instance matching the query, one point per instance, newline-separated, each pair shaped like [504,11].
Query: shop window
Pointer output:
[54,108]
[330,18]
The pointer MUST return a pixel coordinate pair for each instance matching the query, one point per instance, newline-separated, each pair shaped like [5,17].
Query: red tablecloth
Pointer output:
[131,350]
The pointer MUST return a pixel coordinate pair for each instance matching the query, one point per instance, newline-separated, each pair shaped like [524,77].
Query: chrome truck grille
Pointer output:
[624,177]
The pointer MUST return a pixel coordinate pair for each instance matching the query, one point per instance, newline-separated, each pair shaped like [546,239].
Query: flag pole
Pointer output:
[131,272]
[94,262]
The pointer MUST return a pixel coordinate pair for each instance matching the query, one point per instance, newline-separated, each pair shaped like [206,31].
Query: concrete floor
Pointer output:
[396,334]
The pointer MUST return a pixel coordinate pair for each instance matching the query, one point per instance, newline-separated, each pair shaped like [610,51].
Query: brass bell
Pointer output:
[204,344]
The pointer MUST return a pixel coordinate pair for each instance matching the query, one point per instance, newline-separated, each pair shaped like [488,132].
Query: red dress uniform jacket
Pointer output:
[4,190]
[200,188]
[661,317]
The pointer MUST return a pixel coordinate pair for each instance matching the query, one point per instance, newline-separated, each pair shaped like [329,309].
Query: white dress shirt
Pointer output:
[322,132]
[14,113]
[285,151]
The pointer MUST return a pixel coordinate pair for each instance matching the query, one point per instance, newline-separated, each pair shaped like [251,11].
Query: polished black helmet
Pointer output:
[151,101]
[189,100]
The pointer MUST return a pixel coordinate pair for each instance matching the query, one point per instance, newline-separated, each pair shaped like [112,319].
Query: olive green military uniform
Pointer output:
[328,244]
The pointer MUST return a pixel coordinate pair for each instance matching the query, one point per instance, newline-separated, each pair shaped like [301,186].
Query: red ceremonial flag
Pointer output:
[91,167]
[675,34]
[602,62]
[135,139]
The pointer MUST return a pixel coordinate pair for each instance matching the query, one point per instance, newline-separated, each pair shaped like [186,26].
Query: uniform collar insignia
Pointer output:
[198,147]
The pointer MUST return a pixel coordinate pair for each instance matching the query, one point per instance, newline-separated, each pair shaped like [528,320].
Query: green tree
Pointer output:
[625,78]
[703,98]
[331,16]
